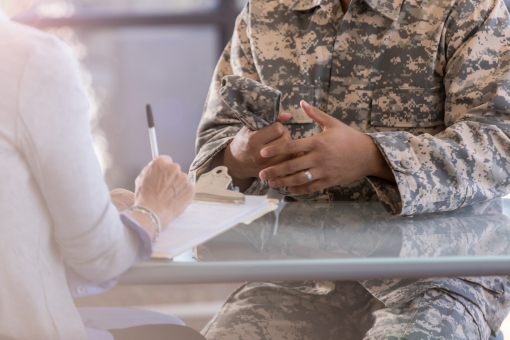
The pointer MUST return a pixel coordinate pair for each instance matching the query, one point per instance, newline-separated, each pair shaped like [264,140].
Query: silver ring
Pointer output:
[308,175]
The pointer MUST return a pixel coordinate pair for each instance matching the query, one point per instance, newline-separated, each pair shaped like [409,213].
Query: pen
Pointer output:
[152,132]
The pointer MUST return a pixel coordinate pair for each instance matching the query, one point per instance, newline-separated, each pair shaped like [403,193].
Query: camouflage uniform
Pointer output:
[428,80]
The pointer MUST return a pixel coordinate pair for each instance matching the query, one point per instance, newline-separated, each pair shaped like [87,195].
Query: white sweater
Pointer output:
[54,204]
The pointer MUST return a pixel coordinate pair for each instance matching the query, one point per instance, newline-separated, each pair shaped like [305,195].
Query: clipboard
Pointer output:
[217,207]
[216,186]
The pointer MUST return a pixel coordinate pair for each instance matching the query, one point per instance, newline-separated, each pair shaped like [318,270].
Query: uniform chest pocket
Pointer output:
[408,107]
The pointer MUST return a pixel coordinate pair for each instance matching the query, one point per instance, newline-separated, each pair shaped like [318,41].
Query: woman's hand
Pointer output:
[122,199]
[338,155]
[164,188]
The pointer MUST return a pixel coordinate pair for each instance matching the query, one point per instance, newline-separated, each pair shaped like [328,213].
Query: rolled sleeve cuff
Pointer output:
[400,156]
[203,160]
[81,287]
[422,183]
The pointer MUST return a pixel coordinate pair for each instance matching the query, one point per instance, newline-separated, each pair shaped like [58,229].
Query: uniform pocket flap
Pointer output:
[292,96]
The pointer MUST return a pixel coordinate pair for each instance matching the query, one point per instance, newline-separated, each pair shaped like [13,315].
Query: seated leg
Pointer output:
[435,315]
[259,311]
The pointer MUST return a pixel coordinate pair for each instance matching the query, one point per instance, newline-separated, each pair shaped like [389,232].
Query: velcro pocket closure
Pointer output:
[408,107]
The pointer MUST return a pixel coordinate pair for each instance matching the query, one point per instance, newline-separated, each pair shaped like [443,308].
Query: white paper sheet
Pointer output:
[202,221]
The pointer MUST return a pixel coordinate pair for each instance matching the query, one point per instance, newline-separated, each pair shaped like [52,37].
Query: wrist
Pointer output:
[152,216]
[163,214]
[238,179]
[232,165]
[378,166]
[144,221]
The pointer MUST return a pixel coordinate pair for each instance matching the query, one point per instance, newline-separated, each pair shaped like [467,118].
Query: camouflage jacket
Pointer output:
[428,80]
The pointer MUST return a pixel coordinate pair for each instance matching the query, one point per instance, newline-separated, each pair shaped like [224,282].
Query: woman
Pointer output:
[55,209]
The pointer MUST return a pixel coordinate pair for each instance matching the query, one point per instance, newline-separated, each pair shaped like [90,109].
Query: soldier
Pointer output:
[402,101]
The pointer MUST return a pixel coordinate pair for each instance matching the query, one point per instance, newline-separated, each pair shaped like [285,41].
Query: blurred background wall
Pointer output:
[136,52]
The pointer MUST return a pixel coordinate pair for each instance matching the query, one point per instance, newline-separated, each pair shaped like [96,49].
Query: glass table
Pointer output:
[346,241]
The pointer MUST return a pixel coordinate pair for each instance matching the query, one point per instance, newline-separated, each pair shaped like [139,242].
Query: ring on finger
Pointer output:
[309,176]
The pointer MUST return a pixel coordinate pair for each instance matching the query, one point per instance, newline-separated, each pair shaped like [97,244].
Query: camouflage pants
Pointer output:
[258,311]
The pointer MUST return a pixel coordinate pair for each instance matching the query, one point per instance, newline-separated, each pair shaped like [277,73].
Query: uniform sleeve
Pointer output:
[469,161]
[219,124]
[53,134]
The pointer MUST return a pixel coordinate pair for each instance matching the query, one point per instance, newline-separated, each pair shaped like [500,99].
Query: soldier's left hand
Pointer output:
[336,156]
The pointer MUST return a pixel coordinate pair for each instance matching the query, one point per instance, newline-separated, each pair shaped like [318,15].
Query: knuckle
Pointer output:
[279,128]
[291,147]
[319,143]
[323,158]
[286,135]
[158,161]
[269,173]
[166,159]
[290,167]
[174,167]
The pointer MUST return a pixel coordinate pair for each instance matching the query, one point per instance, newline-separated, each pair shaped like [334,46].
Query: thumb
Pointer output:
[324,120]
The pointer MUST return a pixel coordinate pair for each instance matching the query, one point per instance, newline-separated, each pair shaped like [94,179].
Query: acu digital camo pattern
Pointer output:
[362,230]
[428,80]
[256,105]
[272,311]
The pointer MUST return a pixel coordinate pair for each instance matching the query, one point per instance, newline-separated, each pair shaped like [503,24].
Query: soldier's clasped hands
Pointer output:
[336,156]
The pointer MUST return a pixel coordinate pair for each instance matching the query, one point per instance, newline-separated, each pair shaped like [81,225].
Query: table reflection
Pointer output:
[362,230]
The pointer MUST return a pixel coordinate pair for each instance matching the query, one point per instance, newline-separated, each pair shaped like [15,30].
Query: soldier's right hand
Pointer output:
[242,157]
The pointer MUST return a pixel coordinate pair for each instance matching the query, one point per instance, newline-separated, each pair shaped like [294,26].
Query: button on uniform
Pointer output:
[406,164]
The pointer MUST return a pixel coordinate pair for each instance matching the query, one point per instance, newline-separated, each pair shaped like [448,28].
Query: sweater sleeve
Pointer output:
[53,134]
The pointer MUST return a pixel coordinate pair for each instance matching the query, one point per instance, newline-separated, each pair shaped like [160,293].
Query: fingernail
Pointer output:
[263,175]
[305,104]
[272,183]
[264,153]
